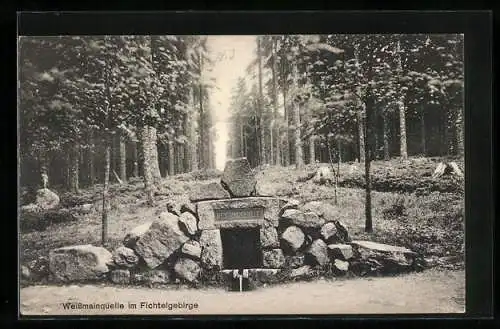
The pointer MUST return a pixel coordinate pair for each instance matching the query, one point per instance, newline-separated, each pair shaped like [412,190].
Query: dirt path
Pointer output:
[427,292]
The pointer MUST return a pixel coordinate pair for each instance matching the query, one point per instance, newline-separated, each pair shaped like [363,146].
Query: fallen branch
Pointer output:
[117,178]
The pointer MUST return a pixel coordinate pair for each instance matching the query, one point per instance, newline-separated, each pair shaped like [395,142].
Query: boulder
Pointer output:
[208,191]
[273,258]
[324,210]
[120,276]
[152,277]
[162,239]
[263,275]
[46,199]
[318,250]
[294,261]
[294,237]
[269,237]
[293,215]
[324,175]
[312,220]
[301,272]
[341,251]
[211,249]
[342,231]
[39,268]
[290,204]
[125,257]
[328,231]
[79,263]
[133,235]
[187,269]
[238,178]
[387,258]
[174,207]
[188,223]
[192,248]
[25,272]
[188,206]
[340,266]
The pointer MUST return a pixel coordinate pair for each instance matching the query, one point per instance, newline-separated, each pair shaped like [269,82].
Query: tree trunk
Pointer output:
[91,161]
[147,164]
[339,148]
[171,158]
[260,107]
[153,149]
[193,138]
[376,138]
[277,147]
[422,132]
[402,130]
[361,132]
[135,158]
[299,158]
[242,152]
[286,144]
[368,183]
[74,171]
[105,190]
[123,159]
[387,154]
[459,126]
[312,154]
[403,146]
[186,164]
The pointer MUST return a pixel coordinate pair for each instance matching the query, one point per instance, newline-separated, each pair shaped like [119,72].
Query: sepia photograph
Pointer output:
[241,174]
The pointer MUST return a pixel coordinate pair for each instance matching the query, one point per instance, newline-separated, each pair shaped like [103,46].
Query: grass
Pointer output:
[430,223]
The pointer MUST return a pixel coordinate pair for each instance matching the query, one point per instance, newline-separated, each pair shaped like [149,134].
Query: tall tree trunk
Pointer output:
[368,158]
[299,158]
[171,158]
[90,158]
[277,138]
[402,130]
[242,152]
[193,138]
[186,164]
[403,146]
[43,163]
[123,159]
[339,148]
[147,164]
[312,154]
[105,191]
[153,149]
[376,138]
[423,145]
[459,126]
[387,154]
[361,132]
[260,105]
[74,171]
[135,158]
[286,143]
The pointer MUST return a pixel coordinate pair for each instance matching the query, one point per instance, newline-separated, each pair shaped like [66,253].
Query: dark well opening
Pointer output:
[241,248]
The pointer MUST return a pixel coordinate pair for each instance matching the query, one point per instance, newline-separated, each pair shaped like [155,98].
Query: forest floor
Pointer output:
[430,291]
[430,221]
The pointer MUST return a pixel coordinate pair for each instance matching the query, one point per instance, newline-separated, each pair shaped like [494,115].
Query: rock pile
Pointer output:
[183,243]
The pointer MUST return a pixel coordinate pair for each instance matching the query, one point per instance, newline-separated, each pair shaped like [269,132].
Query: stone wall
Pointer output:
[184,245]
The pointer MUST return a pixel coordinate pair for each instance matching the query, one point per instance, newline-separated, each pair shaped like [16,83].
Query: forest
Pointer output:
[115,131]
[329,97]
[99,108]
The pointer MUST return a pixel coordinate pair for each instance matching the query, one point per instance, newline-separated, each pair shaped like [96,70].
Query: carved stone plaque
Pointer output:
[239,214]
